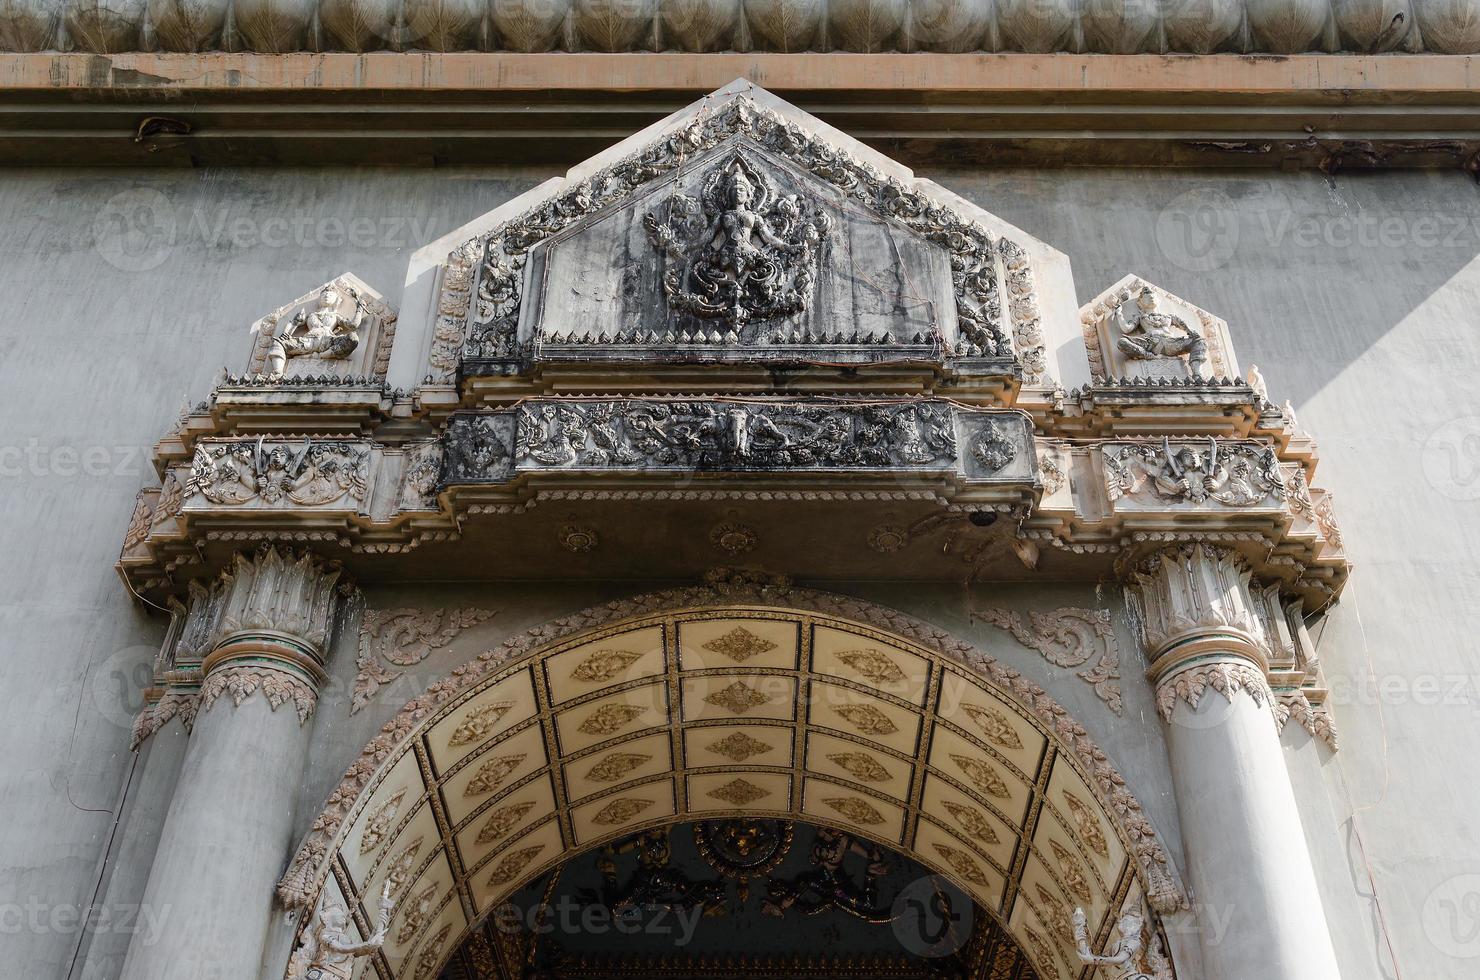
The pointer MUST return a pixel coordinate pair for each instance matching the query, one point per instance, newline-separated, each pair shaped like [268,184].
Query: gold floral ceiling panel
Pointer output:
[735,711]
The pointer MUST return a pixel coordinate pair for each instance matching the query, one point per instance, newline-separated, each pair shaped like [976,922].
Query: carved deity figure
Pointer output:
[1151,334]
[656,883]
[328,952]
[321,332]
[742,252]
[1130,955]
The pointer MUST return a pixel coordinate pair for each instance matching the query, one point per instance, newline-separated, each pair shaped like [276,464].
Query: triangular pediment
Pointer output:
[1137,332]
[742,229]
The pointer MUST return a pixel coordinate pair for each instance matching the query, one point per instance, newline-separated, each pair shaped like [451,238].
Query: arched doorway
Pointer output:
[806,707]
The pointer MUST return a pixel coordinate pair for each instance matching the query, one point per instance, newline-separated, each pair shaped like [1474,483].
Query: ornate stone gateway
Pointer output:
[738,336]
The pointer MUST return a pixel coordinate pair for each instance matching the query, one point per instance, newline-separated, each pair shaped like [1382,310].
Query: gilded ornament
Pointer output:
[866,718]
[620,810]
[380,821]
[503,820]
[739,792]
[398,875]
[431,954]
[888,538]
[874,665]
[962,863]
[1054,915]
[737,539]
[616,765]
[739,644]
[492,774]
[478,724]
[739,698]
[611,718]
[994,726]
[1090,831]
[511,864]
[972,821]
[860,766]
[738,746]
[855,809]
[603,665]
[1074,878]
[416,914]
[982,776]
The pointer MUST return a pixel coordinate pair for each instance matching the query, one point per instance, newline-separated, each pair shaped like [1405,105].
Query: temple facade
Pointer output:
[779,536]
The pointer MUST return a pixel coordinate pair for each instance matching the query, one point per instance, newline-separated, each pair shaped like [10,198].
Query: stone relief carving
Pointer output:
[241,682]
[1314,718]
[1228,679]
[740,252]
[771,278]
[992,447]
[1234,474]
[1069,637]
[710,435]
[1131,957]
[279,474]
[340,332]
[327,952]
[1135,332]
[419,478]
[392,640]
[172,704]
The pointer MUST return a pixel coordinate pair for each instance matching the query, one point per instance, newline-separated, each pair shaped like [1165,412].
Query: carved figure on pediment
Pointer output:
[741,251]
[1152,334]
[322,332]
[1130,955]
[327,951]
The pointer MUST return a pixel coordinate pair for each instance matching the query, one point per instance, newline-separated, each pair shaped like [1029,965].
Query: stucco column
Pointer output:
[1253,883]
[228,832]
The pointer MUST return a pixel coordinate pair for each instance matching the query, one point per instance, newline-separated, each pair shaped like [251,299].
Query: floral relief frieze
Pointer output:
[260,473]
[1213,472]
[1070,637]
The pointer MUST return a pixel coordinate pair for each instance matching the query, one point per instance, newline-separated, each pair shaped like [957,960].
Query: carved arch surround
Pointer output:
[535,751]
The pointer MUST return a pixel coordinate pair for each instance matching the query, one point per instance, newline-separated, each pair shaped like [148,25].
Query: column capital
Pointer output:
[264,625]
[1198,604]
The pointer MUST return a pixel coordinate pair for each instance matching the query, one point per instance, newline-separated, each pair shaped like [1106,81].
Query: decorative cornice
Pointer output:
[300,883]
[241,681]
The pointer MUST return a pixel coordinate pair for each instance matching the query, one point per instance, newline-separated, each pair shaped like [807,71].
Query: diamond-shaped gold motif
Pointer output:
[431,954]
[994,725]
[380,821]
[739,698]
[867,719]
[512,863]
[478,724]
[616,765]
[738,746]
[962,863]
[1090,831]
[874,665]
[1074,878]
[620,811]
[503,820]
[974,823]
[611,718]
[416,914]
[739,644]
[982,776]
[492,773]
[739,792]
[398,876]
[603,665]
[860,766]
[855,809]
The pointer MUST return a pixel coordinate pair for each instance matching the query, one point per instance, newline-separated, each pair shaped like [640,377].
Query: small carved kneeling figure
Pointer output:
[1127,953]
[328,952]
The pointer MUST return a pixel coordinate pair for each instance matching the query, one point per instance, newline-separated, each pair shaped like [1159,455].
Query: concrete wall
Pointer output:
[126,292]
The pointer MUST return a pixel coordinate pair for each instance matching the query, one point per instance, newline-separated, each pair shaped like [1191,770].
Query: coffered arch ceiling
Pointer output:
[744,708]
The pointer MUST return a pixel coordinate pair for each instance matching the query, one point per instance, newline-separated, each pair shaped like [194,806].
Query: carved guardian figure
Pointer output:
[1132,958]
[322,332]
[742,252]
[1152,334]
[327,951]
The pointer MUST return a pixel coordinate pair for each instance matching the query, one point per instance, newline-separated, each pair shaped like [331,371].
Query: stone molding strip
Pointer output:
[299,886]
